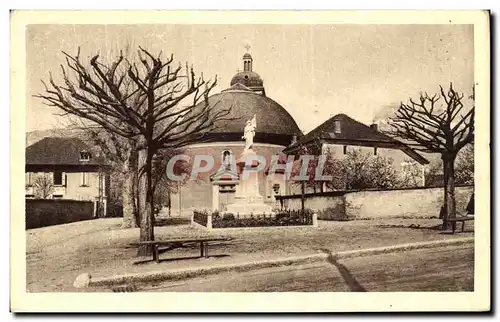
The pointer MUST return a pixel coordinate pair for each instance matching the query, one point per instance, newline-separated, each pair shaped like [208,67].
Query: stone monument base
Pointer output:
[246,206]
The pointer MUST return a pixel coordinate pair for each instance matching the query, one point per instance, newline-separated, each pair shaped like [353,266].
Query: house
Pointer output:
[66,168]
[340,134]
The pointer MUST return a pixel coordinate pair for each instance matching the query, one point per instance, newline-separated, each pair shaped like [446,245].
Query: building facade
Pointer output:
[66,168]
[341,134]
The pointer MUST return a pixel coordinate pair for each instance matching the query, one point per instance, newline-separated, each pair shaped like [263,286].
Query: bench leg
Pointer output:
[206,251]
[202,249]
[156,255]
[453,226]
[463,225]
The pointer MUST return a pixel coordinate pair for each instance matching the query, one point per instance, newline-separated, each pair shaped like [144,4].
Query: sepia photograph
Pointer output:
[305,158]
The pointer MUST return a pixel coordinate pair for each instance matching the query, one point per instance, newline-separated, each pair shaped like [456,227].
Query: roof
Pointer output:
[352,130]
[247,78]
[271,117]
[60,151]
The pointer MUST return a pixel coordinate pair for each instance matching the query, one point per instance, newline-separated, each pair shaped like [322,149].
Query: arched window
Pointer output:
[226,158]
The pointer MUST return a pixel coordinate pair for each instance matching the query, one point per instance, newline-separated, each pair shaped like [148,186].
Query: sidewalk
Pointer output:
[57,255]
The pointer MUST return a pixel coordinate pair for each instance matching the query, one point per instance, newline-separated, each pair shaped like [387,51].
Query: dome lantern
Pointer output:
[247,62]
[248,77]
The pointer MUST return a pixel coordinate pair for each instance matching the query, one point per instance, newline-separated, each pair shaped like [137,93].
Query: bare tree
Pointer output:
[437,124]
[163,185]
[148,100]
[121,154]
[43,186]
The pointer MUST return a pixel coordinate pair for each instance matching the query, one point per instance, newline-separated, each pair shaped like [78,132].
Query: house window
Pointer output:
[84,156]
[337,127]
[345,149]
[58,178]
[375,151]
[85,179]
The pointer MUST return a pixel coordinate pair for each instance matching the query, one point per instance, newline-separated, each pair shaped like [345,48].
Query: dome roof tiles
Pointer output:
[272,118]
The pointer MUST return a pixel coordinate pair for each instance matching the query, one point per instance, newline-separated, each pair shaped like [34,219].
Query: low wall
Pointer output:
[411,203]
[328,206]
[341,205]
[49,212]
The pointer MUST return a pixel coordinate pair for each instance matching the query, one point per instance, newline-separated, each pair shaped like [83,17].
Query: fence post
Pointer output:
[192,218]
[315,219]
[209,221]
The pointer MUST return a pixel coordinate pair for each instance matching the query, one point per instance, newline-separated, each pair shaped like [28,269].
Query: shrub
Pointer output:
[282,218]
[228,216]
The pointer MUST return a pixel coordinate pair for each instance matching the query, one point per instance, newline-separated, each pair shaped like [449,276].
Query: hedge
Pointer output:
[282,218]
[49,212]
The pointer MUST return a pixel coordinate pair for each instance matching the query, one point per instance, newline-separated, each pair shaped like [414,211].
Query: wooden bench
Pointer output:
[157,244]
[459,219]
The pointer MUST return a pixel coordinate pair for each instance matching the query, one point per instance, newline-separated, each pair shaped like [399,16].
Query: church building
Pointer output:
[276,133]
[275,130]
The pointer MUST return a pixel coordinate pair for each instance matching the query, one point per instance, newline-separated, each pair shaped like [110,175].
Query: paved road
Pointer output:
[436,269]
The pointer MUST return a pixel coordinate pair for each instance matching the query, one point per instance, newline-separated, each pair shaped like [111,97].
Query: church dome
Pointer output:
[274,124]
[247,78]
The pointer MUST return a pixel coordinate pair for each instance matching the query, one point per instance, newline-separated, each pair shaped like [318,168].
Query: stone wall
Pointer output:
[411,202]
[418,202]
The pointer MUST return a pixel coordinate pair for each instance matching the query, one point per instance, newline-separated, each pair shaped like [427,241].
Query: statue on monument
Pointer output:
[249,132]
[247,198]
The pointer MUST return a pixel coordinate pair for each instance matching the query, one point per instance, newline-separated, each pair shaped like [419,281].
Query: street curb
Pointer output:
[178,274]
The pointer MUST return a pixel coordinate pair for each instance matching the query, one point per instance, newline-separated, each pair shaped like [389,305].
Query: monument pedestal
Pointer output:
[247,199]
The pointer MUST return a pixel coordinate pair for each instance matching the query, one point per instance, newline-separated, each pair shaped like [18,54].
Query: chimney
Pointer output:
[374,126]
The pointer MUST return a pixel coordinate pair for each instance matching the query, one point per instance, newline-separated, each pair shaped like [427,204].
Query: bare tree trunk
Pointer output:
[302,199]
[169,200]
[144,213]
[135,189]
[146,206]
[449,189]
[128,202]
[128,194]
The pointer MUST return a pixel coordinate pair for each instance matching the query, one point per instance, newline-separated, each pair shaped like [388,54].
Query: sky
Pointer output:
[313,71]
